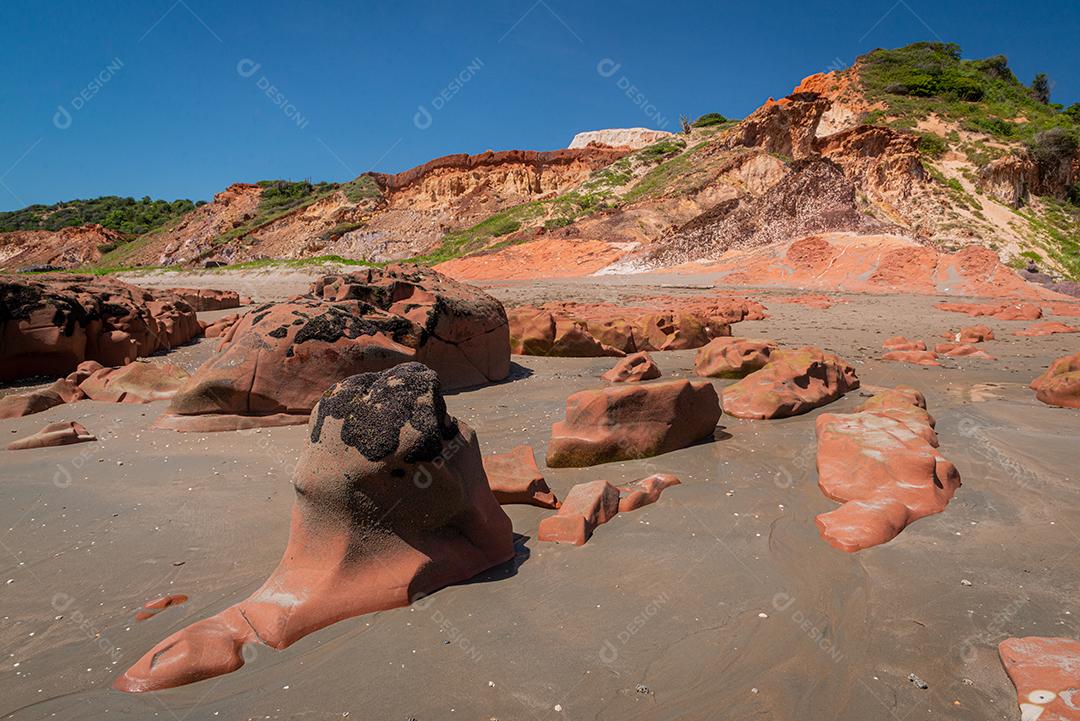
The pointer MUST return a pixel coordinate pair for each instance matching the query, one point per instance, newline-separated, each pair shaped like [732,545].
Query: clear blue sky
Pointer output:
[169,99]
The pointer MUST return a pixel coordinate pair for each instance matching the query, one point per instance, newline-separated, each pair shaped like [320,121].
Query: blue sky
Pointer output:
[177,99]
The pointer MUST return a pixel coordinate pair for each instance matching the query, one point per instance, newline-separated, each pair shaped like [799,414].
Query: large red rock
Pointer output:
[1049,327]
[1046,674]
[61,433]
[793,382]
[900,343]
[732,357]
[138,382]
[585,507]
[273,362]
[204,299]
[1060,384]
[626,422]
[918,357]
[48,326]
[634,368]
[1007,311]
[391,504]
[882,464]
[514,477]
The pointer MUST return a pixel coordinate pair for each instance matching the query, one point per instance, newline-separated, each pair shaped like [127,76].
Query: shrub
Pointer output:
[709,119]
[1053,147]
[932,146]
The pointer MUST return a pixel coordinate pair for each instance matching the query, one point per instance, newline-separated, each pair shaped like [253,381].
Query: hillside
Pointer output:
[916,142]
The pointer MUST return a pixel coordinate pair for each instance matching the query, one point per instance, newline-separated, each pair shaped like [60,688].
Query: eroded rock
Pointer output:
[645,491]
[514,477]
[391,504]
[638,421]
[1060,384]
[62,433]
[918,357]
[1049,327]
[793,382]
[138,382]
[882,464]
[900,343]
[962,350]
[733,357]
[1046,674]
[634,368]
[585,507]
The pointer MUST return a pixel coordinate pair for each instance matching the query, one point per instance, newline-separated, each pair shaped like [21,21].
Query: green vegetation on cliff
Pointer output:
[125,215]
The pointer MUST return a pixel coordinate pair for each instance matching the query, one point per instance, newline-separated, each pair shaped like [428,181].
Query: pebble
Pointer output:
[965,582]
[919,683]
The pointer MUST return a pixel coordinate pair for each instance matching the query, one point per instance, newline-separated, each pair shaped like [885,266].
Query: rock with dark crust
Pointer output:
[637,421]
[273,361]
[391,504]
[48,326]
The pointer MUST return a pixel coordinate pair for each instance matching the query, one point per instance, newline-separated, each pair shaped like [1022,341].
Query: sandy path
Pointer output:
[657,617]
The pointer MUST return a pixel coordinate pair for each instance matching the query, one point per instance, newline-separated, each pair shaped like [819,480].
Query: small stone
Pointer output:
[919,683]
[965,582]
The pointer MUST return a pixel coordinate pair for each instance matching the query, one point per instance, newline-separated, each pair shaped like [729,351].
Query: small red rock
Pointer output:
[729,357]
[918,357]
[1060,384]
[514,477]
[1048,327]
[645,491]
[899,342]
[633,368]
[62,433]
[1046,674]
[962,350]
[585,507]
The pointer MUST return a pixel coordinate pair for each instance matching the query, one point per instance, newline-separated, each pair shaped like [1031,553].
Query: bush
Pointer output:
[125,215]
[1053,147]
[932,146]
[709,119]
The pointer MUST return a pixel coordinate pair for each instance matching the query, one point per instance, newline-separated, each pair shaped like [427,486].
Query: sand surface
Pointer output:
[719,602]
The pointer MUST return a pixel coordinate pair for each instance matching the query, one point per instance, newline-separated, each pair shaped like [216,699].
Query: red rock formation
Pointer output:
[792,383]
[918,357]
[276,358]
[17,405]
[1048,327]
[785,128]
[1008,311]
[61,433]
[972,334]
[627,422]
[138,382]
[634,368]
[1060,384]
[820,302]
[732,357]
[204,299]
[514,477]
[899,342]
[391,504]
[962,350]
[50,325]
[64,248]
[645,491]
[585,331]
[1046,674]
[585,507]
[156,606]
[221,326]
[881,462]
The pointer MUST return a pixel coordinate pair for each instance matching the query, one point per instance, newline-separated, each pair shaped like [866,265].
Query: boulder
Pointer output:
[792,383]
[899,342]
[514,477]
[83,371]
[882,464]
[138,382]
[633,368]
[48,326]
[645,491]
[962,350]
[626,422]
[221,326]
[17,405]
[1060,384]
[1046,674]
[1049,327]
[391,504]
[273,362]
[918,357]
[61,433]
[732,357]
[585,507]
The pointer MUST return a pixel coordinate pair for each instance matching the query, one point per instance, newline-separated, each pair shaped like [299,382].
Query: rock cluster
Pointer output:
[592,504]
[48,326]
[273,363]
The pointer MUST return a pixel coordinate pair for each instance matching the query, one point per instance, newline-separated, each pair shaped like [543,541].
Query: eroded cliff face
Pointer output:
[64,248]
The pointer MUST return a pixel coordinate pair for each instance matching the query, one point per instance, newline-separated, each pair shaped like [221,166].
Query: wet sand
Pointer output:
[720,601]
